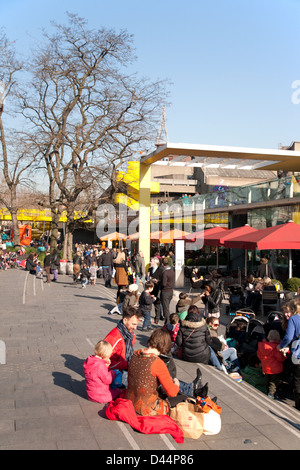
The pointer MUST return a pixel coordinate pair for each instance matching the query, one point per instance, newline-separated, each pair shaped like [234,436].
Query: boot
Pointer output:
[202,392]
[197,382]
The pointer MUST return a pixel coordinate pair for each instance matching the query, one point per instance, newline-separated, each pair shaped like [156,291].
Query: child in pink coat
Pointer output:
[271,361]
[97,376]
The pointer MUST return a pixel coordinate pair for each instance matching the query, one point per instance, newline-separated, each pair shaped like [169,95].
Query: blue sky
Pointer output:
[231,63]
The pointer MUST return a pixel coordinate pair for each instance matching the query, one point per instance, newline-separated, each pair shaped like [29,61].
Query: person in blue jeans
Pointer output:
[145,305]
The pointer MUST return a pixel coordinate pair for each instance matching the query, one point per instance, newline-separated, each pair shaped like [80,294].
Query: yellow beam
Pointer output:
[144,213]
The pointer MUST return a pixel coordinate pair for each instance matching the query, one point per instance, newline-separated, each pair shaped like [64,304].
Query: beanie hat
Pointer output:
[273,335]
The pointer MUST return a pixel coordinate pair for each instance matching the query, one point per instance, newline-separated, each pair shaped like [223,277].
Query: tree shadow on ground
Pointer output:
[61,379]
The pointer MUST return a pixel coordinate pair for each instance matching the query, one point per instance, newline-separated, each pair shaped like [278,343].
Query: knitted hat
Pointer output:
[273,335]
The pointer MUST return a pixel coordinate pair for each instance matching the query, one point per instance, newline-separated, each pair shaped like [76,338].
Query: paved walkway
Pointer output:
[49,330]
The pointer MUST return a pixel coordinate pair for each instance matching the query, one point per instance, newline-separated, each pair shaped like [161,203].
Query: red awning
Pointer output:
[200,235]
[285,236]
[219,238]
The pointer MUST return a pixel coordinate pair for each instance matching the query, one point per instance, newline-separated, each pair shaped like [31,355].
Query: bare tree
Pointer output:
[88,116]
[16,150]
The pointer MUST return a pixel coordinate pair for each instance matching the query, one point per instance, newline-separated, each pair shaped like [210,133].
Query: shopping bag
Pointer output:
[189,418]
[211,415]
[211,423]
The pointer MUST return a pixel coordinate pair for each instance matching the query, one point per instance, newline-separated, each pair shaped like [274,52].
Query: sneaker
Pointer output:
[115,310]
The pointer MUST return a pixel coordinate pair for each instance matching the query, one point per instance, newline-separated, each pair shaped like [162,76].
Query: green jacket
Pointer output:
[255,377]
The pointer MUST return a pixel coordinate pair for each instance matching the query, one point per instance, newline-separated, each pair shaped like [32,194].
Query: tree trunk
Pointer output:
[54,229]
[68,242]
[15,226]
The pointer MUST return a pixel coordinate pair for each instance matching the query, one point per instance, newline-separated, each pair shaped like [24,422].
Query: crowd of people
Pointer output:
[149,376]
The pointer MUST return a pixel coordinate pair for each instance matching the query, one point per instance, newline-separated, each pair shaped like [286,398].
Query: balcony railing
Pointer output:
[223,196]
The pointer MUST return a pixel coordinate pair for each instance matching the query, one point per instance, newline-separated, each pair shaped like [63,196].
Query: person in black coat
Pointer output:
[194,337]
[106,261]
[55,263]
[212,298]
[47,266]
[265,269]
[167,286]
[155,274]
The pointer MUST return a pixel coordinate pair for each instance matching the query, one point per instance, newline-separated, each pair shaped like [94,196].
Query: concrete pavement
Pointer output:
[49,330]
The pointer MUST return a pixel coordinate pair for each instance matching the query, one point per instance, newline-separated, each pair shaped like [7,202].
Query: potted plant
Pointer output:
[292,284]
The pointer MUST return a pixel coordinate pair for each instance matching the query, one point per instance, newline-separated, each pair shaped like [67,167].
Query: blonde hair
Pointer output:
[267,281]
[120,257]
[103,349]
[294,306]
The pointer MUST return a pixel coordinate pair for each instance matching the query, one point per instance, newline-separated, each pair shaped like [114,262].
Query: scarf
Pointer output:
[128,338]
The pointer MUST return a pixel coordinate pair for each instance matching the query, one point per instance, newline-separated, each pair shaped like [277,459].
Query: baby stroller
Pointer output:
[246,331]
[274,322]
[237,327]
[236,299]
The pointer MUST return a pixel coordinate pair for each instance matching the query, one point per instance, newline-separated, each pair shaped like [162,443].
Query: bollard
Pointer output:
[70,267]
[2,352]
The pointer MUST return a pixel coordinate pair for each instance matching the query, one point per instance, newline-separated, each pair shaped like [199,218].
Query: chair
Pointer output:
[270,299]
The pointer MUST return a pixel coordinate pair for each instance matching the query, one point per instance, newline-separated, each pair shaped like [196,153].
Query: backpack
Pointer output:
[295,350]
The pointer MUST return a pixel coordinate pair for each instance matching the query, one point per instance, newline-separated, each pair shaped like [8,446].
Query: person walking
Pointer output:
[106,261]
[155,275]
[145,304]
[76,266]
[55,263]
[167,286]
[139,265]
[47,266]
[121,277]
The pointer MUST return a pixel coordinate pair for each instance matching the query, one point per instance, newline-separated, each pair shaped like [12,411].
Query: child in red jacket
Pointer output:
[271,360]
[97,376]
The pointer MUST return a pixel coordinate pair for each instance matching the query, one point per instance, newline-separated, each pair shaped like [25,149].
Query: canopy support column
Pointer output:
[144,211]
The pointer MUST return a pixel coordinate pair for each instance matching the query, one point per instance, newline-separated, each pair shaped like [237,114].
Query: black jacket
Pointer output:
[156,275]
[77,259]
[30,265]
[213,301]
[55,260]
[47,260]
[265,270]
[168,279]
[146,301]
[106,259]
[194,337]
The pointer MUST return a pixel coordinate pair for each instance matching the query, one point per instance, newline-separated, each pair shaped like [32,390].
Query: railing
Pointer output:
[223,196]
